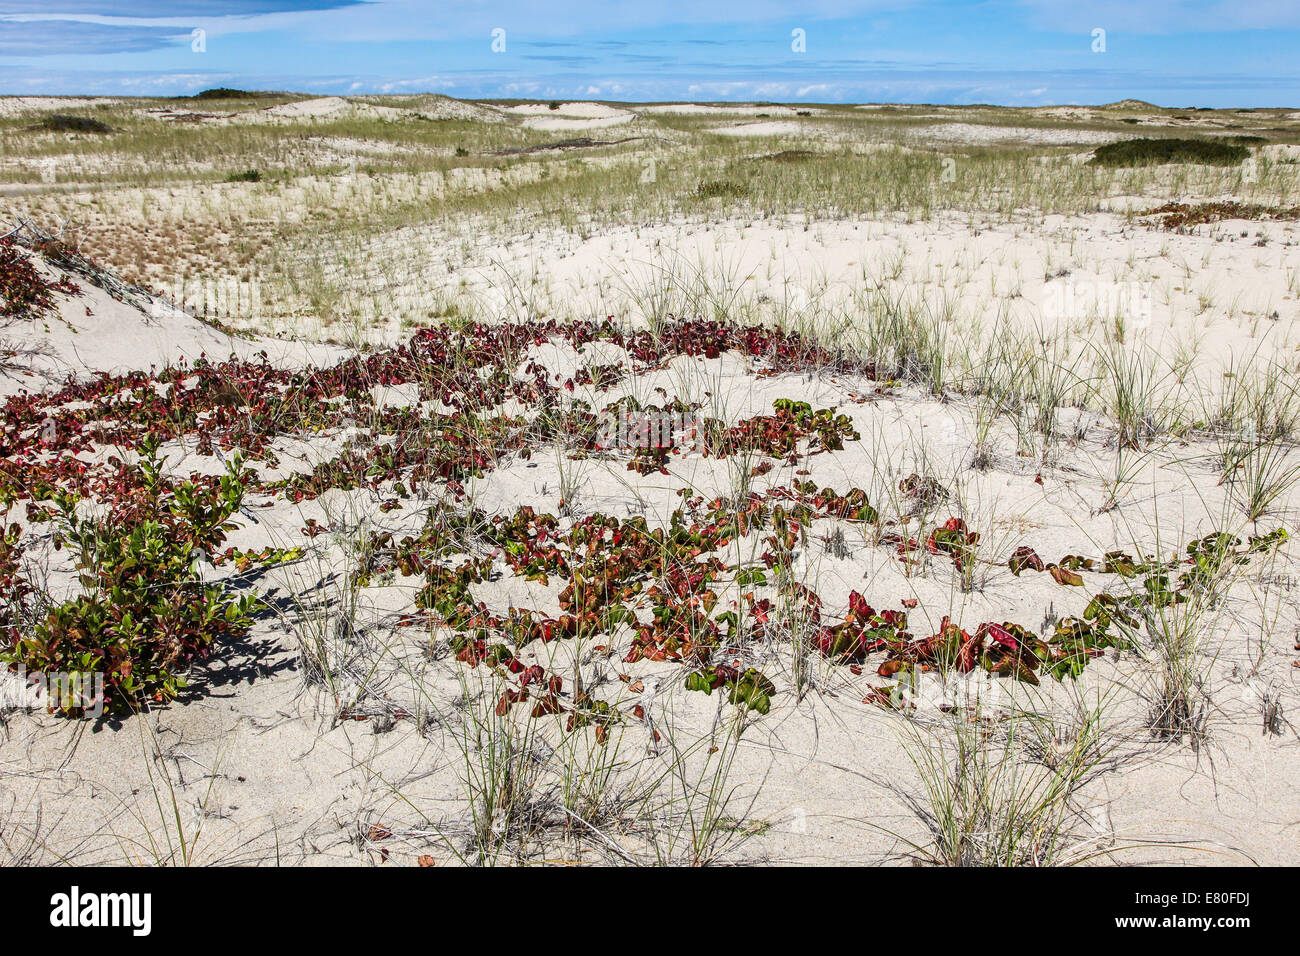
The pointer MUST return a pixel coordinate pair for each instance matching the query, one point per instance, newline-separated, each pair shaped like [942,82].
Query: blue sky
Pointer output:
[1013,52]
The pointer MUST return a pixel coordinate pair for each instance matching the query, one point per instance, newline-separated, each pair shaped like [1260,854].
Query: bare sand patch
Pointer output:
[973,134]
[722,109]
[18,105]
[566,124]
[775,128]
[575,110]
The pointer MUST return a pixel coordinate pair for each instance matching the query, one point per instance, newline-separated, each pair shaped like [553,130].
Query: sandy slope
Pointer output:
[263,775]
[758,129]
[571,116]
[96,332]
[17,105]
[1214,292]
[973,133]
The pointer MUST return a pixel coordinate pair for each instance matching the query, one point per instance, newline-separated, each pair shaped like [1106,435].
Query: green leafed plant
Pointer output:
[144,615]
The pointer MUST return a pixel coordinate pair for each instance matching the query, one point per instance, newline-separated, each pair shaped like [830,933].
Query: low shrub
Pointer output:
[63,123]
[1175,214]
[1147,152]
[144,614]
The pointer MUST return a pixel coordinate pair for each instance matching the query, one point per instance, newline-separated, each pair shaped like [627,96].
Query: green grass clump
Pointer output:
[247,176]
[1147,152]
[720,189]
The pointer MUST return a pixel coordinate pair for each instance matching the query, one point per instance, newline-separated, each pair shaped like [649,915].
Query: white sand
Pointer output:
[321,106]
[18,105]
[560,123]
[776,128]
[739,109]
[570,117]
[271,778]
[579,110]
[973,134]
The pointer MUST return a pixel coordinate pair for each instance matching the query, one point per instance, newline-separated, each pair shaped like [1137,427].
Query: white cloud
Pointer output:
[1154,17]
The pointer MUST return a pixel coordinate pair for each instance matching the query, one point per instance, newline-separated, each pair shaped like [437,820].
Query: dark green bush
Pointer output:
[1146,152]
[247,176]
[63,123]
[222,93]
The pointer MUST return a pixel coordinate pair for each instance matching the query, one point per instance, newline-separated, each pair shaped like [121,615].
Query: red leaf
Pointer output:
[890,668]
[1001,635]
[1025,557]
[858,606]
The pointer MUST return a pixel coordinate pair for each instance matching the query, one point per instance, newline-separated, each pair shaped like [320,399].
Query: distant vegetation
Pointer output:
[1146,152]
[247,176]
[223,93]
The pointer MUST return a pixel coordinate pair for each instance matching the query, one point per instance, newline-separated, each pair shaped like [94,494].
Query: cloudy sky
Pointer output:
[1014,52]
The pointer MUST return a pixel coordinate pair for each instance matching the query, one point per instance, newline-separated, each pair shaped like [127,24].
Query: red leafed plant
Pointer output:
[26,294]
[660,591]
